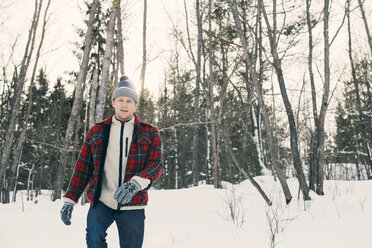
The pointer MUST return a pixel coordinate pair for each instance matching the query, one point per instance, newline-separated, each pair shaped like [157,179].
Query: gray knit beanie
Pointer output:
[125,87]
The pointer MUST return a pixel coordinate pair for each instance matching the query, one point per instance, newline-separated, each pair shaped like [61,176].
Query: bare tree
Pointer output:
[292,125]
[21,137]
[249,59]
[144,51]
[106,63]
[197,64]
[324,106]
[209,97]
[9,138]
[195,167]
[357,93]
[76,105]
[314,158]
[92,100]
[369,37]
[120,47]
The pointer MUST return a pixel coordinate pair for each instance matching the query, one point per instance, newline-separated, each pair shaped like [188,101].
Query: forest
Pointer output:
[250,88]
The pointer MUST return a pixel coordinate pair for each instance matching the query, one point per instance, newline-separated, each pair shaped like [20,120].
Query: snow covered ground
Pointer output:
[199,217]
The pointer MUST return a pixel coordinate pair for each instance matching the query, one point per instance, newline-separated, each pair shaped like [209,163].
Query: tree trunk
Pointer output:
[314,147]
[369,37]
[9,138]
[324,106]
[22,136]
[100,108]
[195,165]
[75,154]
[16,178]
[75,107]
[92,100]
[292,125]
[257,139]
[209,97]
[197,64]
[235,161]
[144,51]
[30,183]
[357,93]
[120,40]
[252,72]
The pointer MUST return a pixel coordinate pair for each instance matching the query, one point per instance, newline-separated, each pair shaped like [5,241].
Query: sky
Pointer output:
[65,15]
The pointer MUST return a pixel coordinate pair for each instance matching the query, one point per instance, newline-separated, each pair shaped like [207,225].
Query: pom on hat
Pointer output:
[125,87]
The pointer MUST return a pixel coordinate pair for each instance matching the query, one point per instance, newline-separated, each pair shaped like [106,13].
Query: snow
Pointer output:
[200,217]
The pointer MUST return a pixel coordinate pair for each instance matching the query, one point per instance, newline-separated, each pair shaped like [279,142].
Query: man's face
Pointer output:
[124,107]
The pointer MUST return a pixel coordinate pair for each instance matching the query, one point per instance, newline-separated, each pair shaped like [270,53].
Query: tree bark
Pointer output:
[235,161]
[357,94]
[197,64]
[369,37]
[92,100]
[314,147]
[100,108]
[292,125]
[252,72]
[75,107]
[209,97]
[22,136]
[195,165]
[324,106]
[144,51]
[120,40]
[9,138]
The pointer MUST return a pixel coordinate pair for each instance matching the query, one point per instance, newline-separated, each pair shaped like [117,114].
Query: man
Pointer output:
[120,159]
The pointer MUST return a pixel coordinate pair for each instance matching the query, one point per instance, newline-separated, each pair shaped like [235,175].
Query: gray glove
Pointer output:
[126,192]
[66,212]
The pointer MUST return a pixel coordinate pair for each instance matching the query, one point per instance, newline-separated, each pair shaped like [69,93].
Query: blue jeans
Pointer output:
[130,224]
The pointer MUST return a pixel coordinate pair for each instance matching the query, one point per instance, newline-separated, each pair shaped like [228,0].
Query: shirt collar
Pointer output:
[116,121]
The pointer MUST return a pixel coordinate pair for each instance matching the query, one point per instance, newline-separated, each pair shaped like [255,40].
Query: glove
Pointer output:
[66,212]
[126,192]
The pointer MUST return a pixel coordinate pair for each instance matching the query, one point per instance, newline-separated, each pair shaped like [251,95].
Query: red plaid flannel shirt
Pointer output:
[144,160]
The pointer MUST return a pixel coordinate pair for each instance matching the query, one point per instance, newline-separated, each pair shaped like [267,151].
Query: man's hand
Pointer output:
[66,212]
[126,192]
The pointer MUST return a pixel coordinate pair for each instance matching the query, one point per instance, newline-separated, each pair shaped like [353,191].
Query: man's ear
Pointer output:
[112,103]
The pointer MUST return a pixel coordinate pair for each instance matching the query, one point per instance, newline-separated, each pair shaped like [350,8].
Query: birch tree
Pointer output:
[92,99]
[369,38]
[252,72]
[100,107]
[209,96]
[76,105]
[120,48]
[144,51]
[365,22]
[292,125]
[9,138]
[21,137]
[314,158]
[324,106]
[195,151]
[357,91]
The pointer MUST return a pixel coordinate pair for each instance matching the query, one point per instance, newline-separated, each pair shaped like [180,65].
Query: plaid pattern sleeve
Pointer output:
[83,171]
[154,161]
